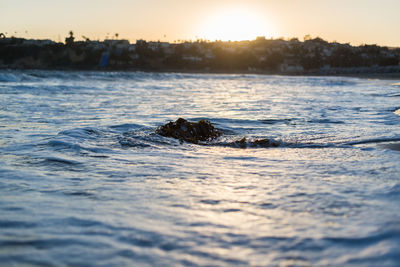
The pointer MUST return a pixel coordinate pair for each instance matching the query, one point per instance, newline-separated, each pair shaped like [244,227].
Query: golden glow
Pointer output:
[234,25]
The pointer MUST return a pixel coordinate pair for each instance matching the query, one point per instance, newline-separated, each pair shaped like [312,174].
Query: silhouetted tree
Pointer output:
[70,40]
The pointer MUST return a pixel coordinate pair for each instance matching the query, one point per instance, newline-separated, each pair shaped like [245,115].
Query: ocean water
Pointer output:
[84,181]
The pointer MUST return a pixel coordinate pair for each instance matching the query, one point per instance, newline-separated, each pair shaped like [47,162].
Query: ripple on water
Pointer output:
[59,144]
[79,192]
[60,161]
[392,146]
[391,191]
[16,224]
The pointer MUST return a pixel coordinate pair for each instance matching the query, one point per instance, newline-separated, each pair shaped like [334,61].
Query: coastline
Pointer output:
[313,57]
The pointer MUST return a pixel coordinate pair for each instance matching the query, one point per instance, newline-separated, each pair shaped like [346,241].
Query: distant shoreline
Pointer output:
[312,57]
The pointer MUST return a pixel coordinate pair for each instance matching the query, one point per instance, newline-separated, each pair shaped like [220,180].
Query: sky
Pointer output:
[345,21]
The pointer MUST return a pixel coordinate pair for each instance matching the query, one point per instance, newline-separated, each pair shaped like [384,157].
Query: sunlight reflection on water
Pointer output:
[81,168]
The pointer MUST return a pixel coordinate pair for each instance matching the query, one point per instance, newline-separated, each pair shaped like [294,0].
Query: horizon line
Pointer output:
[180,41]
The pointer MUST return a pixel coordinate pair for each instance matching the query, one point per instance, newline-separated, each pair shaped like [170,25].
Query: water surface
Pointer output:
[85,181]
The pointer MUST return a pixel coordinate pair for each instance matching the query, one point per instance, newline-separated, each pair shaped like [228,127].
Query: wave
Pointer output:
[391,191]
[61,76]
[27,75]
[126,127]
[64,145]
[143,139]
[9,77]
[373,141]
[276,121]
[60,161]
[336,82]
[84,140]
[83,133]
[16,224]
[104,140]
[228,124]
[326,121]
[392,146]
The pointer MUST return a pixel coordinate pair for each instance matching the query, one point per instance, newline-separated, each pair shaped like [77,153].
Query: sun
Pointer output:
[234,25]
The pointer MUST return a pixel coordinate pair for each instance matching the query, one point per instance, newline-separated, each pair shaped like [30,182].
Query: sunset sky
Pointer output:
[354,21]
